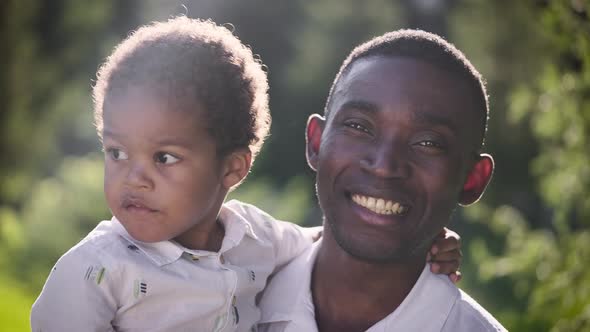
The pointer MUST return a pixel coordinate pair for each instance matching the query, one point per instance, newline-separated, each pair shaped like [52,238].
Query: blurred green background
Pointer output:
[526,244]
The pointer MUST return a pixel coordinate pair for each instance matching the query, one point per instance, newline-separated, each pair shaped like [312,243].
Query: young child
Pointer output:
[181,108]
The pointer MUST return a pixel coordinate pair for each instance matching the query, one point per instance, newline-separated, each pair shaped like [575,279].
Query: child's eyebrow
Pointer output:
[161,141]
[174,141]
[108,133]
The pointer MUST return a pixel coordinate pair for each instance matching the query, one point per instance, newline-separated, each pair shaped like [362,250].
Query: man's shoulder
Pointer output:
[256,217]
[263,224]
[468,315]
[448,308]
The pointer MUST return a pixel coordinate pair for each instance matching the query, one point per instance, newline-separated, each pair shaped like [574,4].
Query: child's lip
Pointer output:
[136,203]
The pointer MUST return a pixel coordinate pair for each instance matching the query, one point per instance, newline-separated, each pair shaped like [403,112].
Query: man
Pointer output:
[398,149]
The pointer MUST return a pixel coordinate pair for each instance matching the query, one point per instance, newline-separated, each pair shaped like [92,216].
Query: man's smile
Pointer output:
[380,205]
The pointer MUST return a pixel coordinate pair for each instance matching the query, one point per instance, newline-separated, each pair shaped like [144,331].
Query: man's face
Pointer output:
[394,155]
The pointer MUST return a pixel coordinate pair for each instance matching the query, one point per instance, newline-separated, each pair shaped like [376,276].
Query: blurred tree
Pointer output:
[50,54]
[47,71]
[547,267]
[429,15]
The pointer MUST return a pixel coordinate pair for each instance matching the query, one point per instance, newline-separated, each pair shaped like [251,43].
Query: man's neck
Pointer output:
[353,295]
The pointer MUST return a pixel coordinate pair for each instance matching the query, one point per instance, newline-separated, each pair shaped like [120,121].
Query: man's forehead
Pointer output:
[434,95]
[395,69]
[402,78]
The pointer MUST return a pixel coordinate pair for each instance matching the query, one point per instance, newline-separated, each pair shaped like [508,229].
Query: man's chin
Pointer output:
[374,252]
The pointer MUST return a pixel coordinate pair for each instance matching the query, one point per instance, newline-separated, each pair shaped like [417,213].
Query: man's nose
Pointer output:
[138,177]
[387,160]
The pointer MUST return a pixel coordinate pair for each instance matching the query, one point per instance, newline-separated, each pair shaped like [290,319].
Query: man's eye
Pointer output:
[165,158]
[117,154]
[357,126]
[431,144]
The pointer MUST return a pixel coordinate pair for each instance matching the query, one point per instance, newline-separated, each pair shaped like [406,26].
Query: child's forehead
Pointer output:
[165,97]
[149,101]
[147,118]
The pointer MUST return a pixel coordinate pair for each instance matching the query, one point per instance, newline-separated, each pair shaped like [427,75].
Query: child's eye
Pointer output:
[165,158]
[117,154]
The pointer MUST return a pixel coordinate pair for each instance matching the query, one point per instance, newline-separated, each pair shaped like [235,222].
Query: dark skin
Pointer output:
[405,132]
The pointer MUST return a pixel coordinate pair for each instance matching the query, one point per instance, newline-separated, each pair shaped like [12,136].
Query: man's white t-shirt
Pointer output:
[433,304]
[111,282]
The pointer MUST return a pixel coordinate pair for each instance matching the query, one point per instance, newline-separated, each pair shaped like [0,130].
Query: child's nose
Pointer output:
[138,177]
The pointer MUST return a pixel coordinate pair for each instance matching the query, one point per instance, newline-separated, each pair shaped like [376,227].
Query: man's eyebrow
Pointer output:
[360,105]
[420,116]
[434,119]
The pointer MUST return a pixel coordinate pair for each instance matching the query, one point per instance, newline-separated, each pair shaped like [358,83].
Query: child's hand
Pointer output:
[318,236]
[445,255]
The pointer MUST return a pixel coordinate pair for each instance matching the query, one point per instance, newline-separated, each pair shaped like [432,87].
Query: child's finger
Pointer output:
[444,267]
[447,240]
[454,255]
[455,277]
[448,233]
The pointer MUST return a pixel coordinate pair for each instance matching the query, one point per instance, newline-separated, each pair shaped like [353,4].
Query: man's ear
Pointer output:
[313,137]
[477,180]
[236,166]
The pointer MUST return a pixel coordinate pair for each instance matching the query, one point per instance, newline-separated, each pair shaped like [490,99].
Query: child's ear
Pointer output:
[477,180]
[236,166]
[313,136]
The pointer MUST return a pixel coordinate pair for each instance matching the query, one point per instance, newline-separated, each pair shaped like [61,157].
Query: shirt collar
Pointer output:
[236,227]
[166,252]
[426,308]
[161,253]
[288,298]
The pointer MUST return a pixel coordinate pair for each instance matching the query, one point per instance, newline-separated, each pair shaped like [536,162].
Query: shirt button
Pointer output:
[195,257]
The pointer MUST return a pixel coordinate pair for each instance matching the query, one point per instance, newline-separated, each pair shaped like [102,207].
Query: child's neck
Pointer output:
[203,238]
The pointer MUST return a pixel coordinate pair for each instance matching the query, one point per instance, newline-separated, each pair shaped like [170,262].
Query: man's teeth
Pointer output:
[379,205]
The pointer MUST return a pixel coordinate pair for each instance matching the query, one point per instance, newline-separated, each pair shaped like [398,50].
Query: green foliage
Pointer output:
[15,306]
[59,211]
[547,267]
[334,27]
[291,202]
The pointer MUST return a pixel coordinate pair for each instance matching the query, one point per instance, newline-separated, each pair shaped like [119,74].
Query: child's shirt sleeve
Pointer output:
[77,295]
[289,240]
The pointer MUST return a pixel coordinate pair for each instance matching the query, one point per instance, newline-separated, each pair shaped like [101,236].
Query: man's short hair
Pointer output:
[424,46]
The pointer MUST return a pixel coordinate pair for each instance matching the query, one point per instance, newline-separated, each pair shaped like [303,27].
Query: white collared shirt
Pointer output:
[433,304]
[111,282]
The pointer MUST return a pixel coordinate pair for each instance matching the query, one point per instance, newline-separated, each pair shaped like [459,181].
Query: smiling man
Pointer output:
[398,149]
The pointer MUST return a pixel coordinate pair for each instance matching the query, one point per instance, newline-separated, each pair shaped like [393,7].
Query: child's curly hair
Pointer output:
[193,62]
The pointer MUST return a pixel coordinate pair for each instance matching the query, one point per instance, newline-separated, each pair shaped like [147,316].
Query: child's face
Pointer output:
[163,179]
